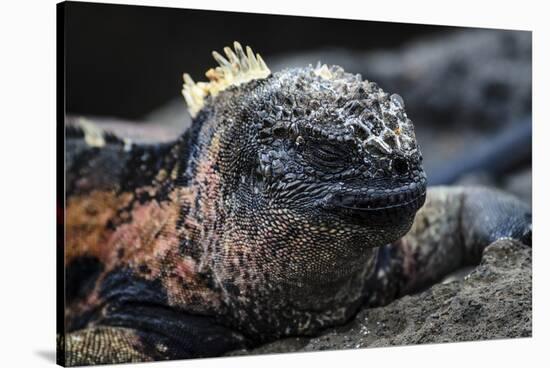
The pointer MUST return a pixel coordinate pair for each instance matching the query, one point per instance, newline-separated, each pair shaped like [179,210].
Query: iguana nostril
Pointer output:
[400,166]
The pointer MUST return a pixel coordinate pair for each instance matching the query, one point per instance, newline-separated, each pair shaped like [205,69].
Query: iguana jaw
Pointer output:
[389,205]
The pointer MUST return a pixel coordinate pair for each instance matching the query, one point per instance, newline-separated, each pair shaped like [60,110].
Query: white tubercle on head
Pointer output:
[237,69]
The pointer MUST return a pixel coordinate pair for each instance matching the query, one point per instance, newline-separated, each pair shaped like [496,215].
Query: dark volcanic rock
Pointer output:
[493,301]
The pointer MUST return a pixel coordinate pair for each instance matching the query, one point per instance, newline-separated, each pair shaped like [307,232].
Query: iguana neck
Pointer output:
[223,242]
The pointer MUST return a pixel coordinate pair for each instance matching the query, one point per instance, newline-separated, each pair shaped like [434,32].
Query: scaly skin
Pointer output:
[285,207]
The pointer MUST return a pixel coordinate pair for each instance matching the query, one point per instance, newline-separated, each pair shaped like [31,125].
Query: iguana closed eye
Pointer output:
[287,205]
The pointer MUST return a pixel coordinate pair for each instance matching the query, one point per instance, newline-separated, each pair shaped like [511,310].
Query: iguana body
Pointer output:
[286,206]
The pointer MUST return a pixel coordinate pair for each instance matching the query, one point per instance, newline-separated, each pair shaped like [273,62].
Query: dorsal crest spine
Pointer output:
[238,68]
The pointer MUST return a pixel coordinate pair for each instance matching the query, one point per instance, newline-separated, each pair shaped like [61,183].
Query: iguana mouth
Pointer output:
[387,204]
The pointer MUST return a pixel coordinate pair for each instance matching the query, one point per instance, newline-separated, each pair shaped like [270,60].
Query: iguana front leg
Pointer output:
[449,232]
[135,333]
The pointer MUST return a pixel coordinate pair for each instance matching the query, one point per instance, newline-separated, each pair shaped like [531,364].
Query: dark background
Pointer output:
[125,61]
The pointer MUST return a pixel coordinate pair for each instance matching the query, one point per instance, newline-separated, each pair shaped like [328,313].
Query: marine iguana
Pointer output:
[294,198]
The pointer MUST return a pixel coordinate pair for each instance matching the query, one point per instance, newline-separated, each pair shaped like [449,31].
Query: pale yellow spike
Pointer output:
[221,60]
[243,61]
[252,62]
[93,135]
[188,80]
[323,72]
[231,57]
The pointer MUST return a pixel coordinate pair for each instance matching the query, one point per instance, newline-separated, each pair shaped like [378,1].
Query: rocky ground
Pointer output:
[492,301]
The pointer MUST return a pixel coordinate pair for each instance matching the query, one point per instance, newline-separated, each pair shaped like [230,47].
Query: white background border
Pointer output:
[27,177]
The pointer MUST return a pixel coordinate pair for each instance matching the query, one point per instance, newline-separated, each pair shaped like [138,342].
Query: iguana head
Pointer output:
[317,165]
